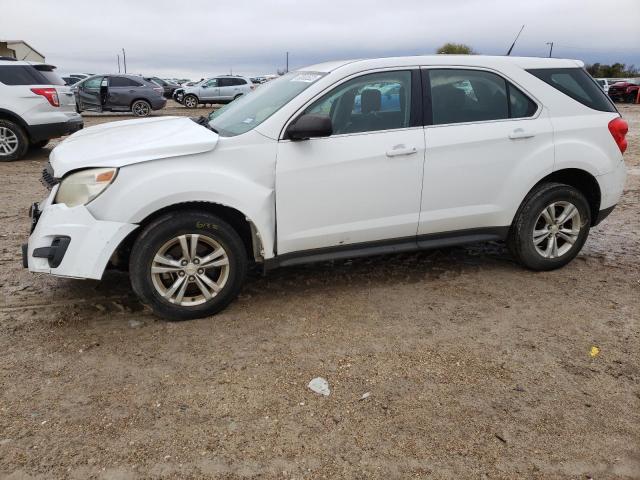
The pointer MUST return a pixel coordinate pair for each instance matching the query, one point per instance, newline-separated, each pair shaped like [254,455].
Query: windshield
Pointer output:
[251,110]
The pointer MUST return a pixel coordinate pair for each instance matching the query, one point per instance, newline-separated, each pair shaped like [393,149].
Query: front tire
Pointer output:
[190,101]
[141,108]
[13,141]
[550,227]
[188,265]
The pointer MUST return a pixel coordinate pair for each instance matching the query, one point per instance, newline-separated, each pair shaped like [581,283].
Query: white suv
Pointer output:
[222,89]
[35,106]
[339,160]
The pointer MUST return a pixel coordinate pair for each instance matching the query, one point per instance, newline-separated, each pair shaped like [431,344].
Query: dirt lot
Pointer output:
[477,368]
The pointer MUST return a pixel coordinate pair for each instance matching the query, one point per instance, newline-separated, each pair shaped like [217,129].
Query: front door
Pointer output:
[486,140]
[89,96]
[363,183]
[209,90]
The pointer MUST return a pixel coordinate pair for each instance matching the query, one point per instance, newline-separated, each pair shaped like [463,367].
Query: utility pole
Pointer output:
[124,60]
[118,62]
[550,48]
[287,67]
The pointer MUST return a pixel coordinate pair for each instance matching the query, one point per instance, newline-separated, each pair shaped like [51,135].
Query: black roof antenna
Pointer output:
[514,42]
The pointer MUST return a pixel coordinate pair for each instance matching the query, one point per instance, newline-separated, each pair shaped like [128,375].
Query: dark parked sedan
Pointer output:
[167,87]
[119,93]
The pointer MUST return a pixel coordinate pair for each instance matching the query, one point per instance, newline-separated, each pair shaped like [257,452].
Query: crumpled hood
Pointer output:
[116,144]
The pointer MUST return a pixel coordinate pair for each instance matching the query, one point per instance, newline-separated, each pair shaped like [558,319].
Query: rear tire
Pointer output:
[190,101]
[141,108]
[550,227]
[13,141]
[170,271]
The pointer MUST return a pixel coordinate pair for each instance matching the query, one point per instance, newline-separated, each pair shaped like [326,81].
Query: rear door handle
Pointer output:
[401,149]
[521,133]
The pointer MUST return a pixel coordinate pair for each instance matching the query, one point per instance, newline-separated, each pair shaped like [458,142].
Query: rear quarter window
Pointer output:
[577,84]
[27,75]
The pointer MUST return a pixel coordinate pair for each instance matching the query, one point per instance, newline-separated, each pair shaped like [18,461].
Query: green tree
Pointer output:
[456,48]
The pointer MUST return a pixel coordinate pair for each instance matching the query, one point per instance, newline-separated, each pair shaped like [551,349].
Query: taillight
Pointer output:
[252,87]
[158,89]
[49,93]
[619,128]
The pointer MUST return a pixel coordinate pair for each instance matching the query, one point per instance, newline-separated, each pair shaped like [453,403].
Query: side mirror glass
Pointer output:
[310,125]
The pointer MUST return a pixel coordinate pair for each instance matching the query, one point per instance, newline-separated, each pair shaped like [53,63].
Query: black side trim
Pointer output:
[397,245]
[602,214]
[55,253]
[416,99]
[25,255]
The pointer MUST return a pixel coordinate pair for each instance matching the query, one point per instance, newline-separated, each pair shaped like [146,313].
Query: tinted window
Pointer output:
[577,84]
[238,81]
[28,75]
[467,96]
[459,96]
[520,106]
[378,101]
[225,82]
[123,82]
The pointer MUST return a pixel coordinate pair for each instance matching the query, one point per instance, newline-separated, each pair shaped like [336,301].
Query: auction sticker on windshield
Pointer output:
[306,77]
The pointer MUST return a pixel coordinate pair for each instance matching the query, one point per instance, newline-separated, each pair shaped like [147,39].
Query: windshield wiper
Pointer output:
[204,121]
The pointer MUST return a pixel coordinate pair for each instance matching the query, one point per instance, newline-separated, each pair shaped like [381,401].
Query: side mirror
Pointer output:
[310,125]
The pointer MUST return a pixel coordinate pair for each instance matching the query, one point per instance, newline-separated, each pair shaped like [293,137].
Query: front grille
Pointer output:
[48,180]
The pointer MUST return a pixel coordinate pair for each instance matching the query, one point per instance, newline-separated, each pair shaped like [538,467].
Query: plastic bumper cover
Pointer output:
[91,242]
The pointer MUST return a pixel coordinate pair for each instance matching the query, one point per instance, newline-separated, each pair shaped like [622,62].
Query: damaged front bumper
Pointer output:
[70,241]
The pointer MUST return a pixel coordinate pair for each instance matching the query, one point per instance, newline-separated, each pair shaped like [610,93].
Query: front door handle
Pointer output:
[401,149]
[521,133]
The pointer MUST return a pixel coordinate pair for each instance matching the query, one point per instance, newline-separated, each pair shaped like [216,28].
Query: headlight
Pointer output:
[81,187]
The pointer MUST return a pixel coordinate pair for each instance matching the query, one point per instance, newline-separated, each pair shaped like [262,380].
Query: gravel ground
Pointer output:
[476,368]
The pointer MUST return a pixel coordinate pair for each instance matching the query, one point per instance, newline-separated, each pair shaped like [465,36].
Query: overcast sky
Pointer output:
[197,38]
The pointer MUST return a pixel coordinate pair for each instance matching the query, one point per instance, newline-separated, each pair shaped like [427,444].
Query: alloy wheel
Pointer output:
[8,141]
[140,109]
[557,229]
[190,269]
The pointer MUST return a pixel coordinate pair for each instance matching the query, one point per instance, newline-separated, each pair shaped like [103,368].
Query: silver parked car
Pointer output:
[221,89]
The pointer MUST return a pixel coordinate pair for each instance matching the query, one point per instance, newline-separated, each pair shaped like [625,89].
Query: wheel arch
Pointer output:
[190,95]
[243,226]
[580,179]
[137,99]
[13,117]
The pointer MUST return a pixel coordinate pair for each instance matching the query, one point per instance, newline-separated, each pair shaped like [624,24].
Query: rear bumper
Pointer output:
[47,131]
[158,103]
[70,242]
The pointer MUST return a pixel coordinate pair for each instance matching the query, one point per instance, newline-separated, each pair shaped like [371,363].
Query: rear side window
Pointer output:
[28,75]
[123,82]
[225,82]
[238,81]
[467,95]
[577,84]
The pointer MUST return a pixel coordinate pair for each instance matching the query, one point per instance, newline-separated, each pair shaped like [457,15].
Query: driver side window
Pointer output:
[373,102]
[212,83]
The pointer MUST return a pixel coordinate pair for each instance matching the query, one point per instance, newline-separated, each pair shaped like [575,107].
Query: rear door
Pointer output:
[226,88]
[89,97]
[485,140]
[123,91]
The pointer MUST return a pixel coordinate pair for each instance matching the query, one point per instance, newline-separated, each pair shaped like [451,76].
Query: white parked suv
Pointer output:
[222,89]
[35,106]
[338,160]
